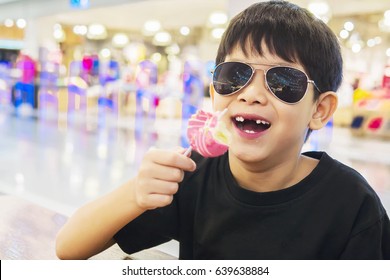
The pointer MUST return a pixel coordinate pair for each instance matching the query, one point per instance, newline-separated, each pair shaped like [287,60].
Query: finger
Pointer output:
[153,201]
[179,149]
[167,173]
[161,172]
[158,200]
[155,186]
[173,159]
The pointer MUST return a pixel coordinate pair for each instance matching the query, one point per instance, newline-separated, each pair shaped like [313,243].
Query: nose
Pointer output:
[256,92]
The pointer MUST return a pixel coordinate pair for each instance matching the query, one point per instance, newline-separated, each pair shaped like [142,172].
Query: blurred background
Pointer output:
[86,87]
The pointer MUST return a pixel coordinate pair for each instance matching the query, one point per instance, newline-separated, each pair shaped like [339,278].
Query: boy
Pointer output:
[278,69]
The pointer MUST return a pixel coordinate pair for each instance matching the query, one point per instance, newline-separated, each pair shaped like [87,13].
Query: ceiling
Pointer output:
[130,15]
[7,1]
[173,13]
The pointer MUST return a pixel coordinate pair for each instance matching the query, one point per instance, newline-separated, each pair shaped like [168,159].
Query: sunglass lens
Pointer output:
[230,77]
[288,84]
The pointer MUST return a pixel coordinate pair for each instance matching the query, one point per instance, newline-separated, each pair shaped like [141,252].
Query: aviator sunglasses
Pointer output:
[286,83]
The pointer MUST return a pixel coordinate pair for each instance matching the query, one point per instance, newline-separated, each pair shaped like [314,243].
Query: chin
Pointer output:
[247,155]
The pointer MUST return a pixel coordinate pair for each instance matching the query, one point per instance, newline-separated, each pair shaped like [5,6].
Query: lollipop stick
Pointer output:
[188,151]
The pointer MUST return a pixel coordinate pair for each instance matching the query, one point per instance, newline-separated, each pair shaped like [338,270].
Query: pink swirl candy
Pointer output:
[207,134]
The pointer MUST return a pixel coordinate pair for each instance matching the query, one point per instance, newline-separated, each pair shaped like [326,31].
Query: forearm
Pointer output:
[91,229]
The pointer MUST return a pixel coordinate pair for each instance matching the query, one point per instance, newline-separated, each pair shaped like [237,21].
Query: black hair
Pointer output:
[290,32]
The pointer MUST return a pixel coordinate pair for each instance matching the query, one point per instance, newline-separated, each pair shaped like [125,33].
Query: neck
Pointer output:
[260,178]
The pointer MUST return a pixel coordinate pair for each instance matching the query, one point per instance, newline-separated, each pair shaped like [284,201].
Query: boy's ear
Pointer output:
[324,108]
[212,93]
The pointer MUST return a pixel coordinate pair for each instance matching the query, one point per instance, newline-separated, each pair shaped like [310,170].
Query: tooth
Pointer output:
[249,131]
[258,121]
[239,119]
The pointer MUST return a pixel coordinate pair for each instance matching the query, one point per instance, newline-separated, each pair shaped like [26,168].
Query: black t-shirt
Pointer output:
[333,213]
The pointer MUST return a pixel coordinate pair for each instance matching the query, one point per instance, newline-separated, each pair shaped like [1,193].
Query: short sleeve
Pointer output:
[152,228]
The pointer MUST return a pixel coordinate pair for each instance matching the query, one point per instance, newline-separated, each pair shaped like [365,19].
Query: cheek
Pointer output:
[304,109]
[296,119]
[219,102]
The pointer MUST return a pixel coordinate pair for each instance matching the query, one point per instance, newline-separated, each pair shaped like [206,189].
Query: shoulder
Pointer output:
[342,177]
[350,190]
[339,173]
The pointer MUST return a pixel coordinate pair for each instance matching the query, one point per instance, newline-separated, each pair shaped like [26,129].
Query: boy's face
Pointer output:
[262,126]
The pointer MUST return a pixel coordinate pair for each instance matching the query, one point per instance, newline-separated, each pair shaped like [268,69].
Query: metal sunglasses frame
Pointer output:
[271,66]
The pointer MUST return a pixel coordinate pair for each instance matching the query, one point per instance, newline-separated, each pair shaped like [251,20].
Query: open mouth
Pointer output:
[251,125]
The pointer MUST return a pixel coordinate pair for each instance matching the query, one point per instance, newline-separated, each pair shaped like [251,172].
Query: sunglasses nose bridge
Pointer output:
[255,90]
[261,77]
[255,75]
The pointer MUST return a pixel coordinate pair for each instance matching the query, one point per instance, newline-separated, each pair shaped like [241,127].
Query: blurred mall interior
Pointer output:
[86,87]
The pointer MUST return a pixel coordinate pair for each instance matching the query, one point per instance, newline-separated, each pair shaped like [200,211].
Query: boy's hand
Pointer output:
[159,176]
